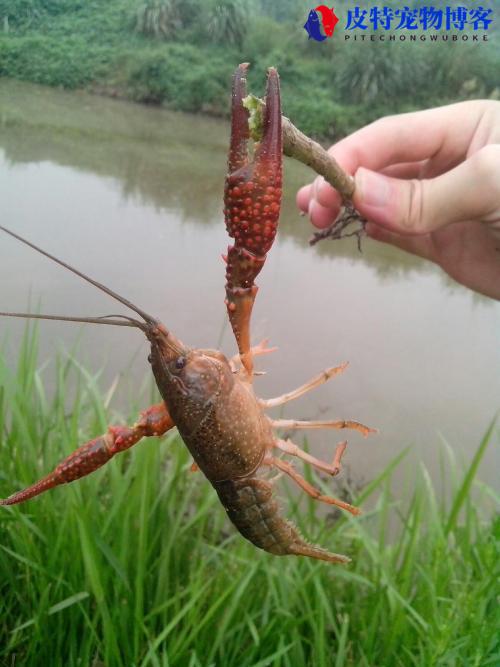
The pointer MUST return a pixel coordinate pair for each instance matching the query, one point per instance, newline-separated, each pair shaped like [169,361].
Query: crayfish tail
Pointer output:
[304,549]
[251,507]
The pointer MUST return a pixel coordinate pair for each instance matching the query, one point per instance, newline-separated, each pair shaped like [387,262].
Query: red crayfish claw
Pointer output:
[252,200]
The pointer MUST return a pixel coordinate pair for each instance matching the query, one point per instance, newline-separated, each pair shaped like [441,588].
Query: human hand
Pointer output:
[428,183]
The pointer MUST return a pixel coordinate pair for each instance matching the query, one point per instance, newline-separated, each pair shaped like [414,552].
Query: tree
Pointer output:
[228,21]
[159,18]
[14,13]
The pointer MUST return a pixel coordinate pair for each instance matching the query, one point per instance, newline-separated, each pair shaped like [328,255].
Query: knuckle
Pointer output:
[415,217]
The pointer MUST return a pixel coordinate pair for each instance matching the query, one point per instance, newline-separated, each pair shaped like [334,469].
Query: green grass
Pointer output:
[137,564]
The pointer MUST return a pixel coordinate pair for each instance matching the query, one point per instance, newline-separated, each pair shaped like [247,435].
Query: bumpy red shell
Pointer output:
[252,201]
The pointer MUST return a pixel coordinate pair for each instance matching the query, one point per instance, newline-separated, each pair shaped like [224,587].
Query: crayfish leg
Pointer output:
[268,156]
[341,424]
[92,455]
[314,382]
[240,131]
[256,351]
[311,490]
[332,469]
[252,200]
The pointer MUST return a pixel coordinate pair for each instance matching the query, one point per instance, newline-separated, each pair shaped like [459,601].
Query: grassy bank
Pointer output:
[184,58]
[137,565]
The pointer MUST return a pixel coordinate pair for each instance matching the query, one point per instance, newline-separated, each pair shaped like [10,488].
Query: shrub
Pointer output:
[39,59]
[264,36]
[369,73]
[472,65]
[182,76]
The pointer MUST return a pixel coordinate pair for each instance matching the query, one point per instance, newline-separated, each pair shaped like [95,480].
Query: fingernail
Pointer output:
[317,183]
[372,189]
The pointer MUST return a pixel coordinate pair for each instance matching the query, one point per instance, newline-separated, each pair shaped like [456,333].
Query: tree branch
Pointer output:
[300,147]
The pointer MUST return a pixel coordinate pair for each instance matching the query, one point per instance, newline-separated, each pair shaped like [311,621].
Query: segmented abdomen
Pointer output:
[252,509]
[250,505]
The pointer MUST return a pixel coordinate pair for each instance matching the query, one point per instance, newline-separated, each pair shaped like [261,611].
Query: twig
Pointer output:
[336,230]
[299,146]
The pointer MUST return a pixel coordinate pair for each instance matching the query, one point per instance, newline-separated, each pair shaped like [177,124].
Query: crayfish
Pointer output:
[208,397]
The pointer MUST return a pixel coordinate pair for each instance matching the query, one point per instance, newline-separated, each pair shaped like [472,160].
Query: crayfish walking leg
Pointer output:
[314,382]
[311,490]
[332,469]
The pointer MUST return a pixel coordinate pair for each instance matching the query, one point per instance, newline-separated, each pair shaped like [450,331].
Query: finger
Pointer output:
[303,197]
[443,133]
[438,137]
[471,191]
[320,216]
[416,245]
[407,170]
[326,195]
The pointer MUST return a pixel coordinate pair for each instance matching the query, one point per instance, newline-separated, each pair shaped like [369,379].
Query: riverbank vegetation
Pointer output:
[138,565]
[181,54]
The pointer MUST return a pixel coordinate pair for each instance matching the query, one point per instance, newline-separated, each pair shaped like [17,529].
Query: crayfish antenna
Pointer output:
[145,316]
[105,319]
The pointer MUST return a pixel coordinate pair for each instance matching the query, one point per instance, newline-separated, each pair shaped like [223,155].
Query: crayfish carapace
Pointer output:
[208,397]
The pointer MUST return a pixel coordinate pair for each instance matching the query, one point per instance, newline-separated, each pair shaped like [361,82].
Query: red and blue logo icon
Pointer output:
[321,23]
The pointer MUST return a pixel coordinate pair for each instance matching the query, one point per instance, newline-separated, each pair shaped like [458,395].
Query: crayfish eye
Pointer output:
[180,362]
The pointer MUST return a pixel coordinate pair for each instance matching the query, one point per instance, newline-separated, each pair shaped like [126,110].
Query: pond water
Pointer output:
[132,195]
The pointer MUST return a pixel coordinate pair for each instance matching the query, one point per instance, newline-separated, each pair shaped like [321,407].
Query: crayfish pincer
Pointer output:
[208,397]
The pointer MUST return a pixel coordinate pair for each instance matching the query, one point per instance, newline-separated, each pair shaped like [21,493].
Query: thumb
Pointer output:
[471,191]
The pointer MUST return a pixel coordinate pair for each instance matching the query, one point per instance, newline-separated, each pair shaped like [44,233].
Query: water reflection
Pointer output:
[132,195]
[172,160]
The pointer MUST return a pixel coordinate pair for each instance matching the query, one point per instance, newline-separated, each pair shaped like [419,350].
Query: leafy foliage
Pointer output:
[57,63]
[14,13]
[371,73]
[158,18]
[144,49]
[180,76]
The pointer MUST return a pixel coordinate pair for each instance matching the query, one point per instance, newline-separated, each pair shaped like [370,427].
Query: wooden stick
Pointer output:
[301,147]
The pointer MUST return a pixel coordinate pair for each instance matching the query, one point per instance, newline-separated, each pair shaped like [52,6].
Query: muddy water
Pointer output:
[132,196]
